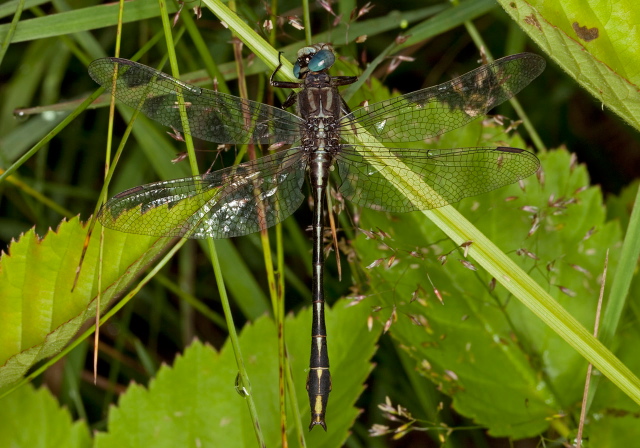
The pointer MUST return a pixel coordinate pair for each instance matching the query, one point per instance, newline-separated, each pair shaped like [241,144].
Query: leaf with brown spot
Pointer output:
[584,33]
[602,54]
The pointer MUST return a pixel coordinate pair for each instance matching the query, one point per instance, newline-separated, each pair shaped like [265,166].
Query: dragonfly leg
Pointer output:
[291,100]
[282,84]
[293,96]
[344,108]
[337,81]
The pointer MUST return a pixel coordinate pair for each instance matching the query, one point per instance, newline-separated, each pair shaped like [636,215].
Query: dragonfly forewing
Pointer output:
[211,116]
[427,179]
[433,111]
[235,201]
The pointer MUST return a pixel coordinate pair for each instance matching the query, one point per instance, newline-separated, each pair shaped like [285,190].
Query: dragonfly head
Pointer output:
[316,58]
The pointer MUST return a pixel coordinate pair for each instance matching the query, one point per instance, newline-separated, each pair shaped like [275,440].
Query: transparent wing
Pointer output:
[451,175]
[230,202]
[433,111]
[212,116]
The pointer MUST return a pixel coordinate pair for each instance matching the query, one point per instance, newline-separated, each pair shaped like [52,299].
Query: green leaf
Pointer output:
[593,42]
[39,312]
[503,367]
[195,403]
[33,418]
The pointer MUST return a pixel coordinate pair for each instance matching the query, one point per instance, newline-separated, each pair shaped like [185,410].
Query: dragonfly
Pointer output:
[323,134]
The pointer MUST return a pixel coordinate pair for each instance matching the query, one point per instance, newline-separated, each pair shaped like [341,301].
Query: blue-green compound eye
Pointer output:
[296,70]
[321,61]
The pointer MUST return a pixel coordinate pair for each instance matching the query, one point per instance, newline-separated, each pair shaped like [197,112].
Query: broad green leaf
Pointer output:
[39,312]
[595,42]
[33,418]
[195,403]
[501,365]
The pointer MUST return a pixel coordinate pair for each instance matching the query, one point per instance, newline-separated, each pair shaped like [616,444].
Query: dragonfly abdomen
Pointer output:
[319,379]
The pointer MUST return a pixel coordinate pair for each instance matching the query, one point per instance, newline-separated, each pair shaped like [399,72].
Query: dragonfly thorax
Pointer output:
[319,100]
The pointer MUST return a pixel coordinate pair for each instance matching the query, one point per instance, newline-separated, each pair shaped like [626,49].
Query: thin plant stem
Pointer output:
[233,336]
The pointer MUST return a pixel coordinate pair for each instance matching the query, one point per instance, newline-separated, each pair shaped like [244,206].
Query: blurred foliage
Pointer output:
[480,362]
